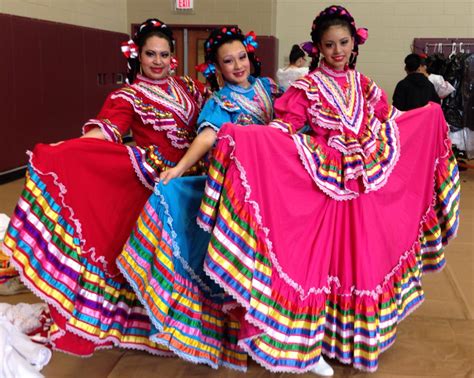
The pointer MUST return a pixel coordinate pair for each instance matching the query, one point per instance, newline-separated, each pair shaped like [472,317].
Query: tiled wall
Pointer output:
[392,26]
[257,15]
[100,14]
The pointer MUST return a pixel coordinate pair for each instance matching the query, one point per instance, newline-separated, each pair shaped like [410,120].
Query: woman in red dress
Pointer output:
[82,197]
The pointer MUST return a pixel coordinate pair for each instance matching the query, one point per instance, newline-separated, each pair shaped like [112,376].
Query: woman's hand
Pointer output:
[200,146]
[94,133]
[169,174]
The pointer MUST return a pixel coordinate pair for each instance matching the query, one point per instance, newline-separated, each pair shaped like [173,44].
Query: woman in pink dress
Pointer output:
[322,238]
[83,196]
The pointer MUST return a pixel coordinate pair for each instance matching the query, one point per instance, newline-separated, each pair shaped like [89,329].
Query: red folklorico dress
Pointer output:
[80,202]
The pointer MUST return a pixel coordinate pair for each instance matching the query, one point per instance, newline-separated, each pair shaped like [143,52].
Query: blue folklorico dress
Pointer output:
[163,258]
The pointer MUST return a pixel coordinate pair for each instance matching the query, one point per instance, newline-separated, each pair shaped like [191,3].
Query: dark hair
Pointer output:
[412,62]
[296,53]
[218,37]
[150,28]
[435,64]
[335,15]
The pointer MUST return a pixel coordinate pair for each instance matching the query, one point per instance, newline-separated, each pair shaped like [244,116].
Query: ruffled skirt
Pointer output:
[312,274]
[80,201]
[163,261]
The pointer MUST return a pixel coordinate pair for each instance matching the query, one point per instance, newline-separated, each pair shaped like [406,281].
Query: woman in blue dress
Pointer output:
[163,258]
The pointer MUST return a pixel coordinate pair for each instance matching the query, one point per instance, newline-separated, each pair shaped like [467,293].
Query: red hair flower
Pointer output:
[361,35]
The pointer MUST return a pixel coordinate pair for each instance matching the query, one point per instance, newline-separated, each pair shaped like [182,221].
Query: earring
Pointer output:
[174,63]
[141,71]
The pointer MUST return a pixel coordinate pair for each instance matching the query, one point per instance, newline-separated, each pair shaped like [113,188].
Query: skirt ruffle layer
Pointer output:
[70,224]
[163,261]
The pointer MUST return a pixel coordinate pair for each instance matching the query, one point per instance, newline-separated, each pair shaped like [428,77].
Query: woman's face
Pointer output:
[155,58]
[233,63]
[336,46]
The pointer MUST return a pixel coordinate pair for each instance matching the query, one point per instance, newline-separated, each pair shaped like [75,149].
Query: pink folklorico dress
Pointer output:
[322,238]
[80,202]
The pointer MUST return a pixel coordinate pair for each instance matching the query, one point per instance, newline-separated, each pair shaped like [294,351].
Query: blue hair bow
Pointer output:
[207,68]
[250,42]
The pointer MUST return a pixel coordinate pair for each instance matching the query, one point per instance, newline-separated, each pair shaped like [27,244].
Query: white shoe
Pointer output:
[13,286]
[322,368]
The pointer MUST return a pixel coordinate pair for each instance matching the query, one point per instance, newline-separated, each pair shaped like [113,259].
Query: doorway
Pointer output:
[189,48]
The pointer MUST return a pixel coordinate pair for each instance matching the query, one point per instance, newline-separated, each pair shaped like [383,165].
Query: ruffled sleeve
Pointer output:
[291,110]
[114,119]
[215,113]
[377,100]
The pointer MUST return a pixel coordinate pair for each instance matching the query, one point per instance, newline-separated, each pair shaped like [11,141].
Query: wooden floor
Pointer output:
[437,340]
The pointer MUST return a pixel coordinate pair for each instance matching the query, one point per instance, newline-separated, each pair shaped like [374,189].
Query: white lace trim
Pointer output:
[99,343]
[170,129]
[205,124]
[136,168]
[345,193]
[159,327]
[77,223]
[105,128]
[205,227]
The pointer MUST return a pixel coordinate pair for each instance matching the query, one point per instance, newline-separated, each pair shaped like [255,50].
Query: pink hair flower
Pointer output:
[361,35]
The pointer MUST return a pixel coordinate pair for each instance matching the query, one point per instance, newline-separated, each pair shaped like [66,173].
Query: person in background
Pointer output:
[296,69]
[442,87]
[415,90]
[83,196]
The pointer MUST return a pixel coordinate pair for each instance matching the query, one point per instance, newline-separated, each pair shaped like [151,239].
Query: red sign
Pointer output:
[184,4]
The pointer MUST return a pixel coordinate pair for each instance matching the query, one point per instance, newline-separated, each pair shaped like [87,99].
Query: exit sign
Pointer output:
[184,4]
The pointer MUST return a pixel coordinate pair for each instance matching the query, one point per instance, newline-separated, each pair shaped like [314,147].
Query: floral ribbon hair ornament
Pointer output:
[207,69]
[250,42]
[129,49]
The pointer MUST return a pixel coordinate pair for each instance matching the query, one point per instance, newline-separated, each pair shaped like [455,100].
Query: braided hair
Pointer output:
[150,28]
[216,39]
[335,15]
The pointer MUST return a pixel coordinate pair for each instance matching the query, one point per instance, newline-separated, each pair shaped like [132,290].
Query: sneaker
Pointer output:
[322,368]
[13,286]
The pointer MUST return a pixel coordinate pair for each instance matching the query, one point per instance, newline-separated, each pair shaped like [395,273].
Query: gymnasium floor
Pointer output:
[437,340]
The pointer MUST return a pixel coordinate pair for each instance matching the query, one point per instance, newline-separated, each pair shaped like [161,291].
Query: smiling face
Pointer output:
[336,46]
[155,58]
[233,62]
